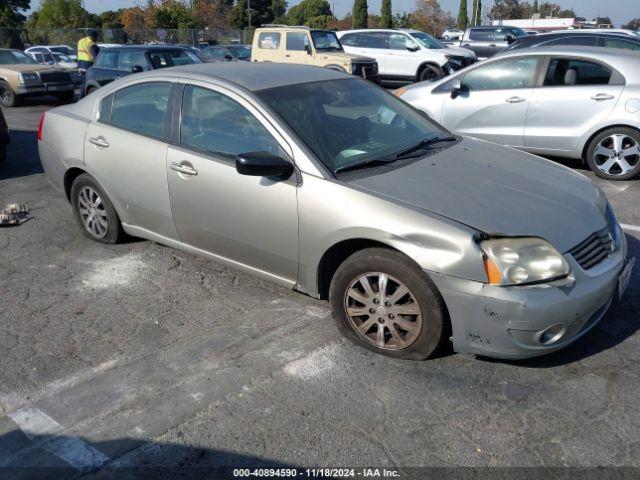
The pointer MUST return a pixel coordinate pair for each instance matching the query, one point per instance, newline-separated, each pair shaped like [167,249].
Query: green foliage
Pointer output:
[404,20]
[279,10]
[633,24]
[11,12]
[476,19]
[260,13]
[359,16]
[307,10]
[62,14]
[321,21]
[174,14]
[463,15]
[536,7]
[239,15]
[386,18]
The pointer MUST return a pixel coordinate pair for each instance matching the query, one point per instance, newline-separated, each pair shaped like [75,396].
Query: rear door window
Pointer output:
[569,72]
[373,40]
[269,40]
[107,60]
[142,108]
[297,41]
[128,60]
[483,35]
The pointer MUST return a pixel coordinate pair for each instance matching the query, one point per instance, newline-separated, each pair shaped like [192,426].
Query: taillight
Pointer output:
[40,126]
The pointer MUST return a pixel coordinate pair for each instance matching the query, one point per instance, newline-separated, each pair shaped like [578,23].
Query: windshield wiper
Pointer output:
[365,164]
[410,152]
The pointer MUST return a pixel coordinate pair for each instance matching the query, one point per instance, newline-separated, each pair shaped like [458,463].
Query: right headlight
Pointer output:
[522,260]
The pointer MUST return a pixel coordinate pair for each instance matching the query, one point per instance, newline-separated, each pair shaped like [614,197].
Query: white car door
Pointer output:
[402,58]
[493,101]
[575,94]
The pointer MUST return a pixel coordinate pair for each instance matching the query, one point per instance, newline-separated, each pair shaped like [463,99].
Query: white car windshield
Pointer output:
[427,41]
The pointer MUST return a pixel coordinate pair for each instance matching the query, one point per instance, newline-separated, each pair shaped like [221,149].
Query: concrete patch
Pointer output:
[114,272]
[318,363]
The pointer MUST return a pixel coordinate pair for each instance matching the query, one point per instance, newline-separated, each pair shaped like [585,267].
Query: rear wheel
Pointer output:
[90,90]
[7,96]
[384,302]
[429,74]
[614,154]
[94,211]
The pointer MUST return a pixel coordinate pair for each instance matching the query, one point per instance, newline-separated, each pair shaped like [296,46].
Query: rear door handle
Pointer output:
[99,141]
[602,96]
[493,45]
[183,168]
[516,100]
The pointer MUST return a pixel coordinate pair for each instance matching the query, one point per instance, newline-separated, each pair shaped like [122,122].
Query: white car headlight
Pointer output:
[29,77]
[522,260]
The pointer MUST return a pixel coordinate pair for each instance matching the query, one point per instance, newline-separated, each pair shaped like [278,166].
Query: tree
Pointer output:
[62,14]
[306,10]
[109,19]
[506,10]
[404,20]
[386,19]
[279,10]
[212,13]
[260,13]
[11,12]
[463,15]
[174,14]
[633,24]
[429,17]
[536,7]
[359,16]
[476,19]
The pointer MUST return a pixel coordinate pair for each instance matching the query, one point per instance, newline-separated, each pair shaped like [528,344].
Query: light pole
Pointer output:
[249,12]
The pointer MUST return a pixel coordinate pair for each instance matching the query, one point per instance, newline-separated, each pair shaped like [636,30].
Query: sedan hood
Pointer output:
[461,52]
[495,190]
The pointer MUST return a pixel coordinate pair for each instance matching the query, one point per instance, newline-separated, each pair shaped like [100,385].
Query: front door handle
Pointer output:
[602,96]
[183,168]
[493,45]
[99,141]
[516,100]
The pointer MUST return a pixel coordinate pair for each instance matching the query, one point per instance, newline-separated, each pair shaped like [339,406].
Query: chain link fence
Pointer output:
[22,38]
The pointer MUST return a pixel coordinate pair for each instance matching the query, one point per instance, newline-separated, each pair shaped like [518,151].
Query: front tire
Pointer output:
[429,74]
[385,303]
[614,154]
[8,97]
[94,211]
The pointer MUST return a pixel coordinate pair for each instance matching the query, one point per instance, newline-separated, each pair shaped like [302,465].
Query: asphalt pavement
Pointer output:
[137,356]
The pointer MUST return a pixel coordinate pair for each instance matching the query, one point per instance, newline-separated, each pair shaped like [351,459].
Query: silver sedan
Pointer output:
[574,102]
[329,185]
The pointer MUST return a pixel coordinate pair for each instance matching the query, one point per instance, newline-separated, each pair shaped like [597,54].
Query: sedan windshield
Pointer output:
[350,123]
[12,57]
[327,41]
[427,41]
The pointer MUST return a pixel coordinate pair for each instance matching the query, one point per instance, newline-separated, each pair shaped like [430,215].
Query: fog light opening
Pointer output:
[553,334]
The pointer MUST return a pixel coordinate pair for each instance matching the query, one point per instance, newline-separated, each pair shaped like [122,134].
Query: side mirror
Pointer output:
[509,39]
[412,47]
[263,164]
[136,69]
[456,88]
[307,49]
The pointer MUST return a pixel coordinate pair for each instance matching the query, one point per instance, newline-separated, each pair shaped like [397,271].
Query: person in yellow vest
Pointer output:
[87,50]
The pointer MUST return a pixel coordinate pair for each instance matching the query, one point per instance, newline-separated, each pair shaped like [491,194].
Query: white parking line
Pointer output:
[35,423]
[630,228]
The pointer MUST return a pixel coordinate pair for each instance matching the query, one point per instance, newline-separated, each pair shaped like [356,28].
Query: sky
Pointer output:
[620,11]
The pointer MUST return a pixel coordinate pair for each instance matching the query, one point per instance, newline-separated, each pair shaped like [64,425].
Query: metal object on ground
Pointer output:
[14,214]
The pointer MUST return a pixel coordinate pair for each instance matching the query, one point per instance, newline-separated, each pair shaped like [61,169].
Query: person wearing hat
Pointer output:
[87,50]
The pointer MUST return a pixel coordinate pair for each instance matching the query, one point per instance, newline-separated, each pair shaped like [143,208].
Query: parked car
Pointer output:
[624,31]
[307,46]
[404,55]
[531,32]
[117,62]
[4,137]
[227,53]
[584,38]
[63,49]
[487,41]
[56,59]
[329,185]
[452,34]
[21,76]
[574,102]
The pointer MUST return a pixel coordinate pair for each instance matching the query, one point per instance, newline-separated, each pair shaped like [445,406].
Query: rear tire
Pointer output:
[614,154]
[430,74]
[90,90]
[371,310]
[8,97]
[94,211]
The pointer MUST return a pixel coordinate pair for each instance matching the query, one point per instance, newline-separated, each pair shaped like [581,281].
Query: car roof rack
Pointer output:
[278,25]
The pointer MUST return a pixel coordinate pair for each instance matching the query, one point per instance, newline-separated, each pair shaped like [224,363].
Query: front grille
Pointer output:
[594,249]
[458,63]
[368,71]
[55,77]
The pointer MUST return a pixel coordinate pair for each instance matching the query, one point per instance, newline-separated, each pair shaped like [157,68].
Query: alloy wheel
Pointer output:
[92,212]
[617,154]
[5,94]
[383,311]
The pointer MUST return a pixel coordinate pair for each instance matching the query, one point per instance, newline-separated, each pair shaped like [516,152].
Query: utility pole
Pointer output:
[249,12]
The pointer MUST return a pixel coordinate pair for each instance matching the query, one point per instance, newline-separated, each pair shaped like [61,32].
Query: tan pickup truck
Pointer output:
[308,46]
[21,76]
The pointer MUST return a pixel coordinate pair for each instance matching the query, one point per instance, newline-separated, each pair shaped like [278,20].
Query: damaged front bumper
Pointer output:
[528,321]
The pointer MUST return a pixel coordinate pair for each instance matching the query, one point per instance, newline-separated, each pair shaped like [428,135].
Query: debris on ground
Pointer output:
[14,214]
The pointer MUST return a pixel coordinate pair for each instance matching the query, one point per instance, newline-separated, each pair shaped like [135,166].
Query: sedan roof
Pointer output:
[251,75]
